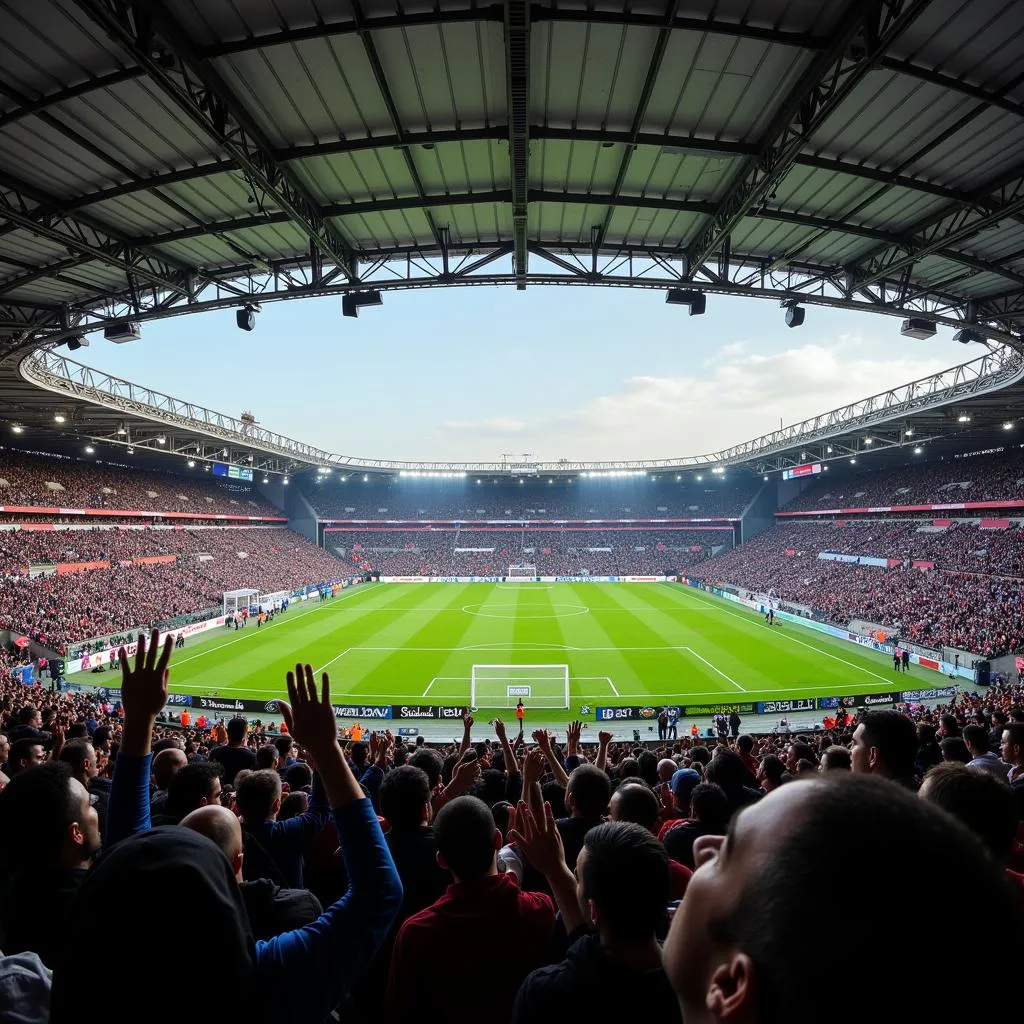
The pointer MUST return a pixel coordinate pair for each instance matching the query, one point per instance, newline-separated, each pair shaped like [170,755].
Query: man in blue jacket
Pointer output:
[175,901]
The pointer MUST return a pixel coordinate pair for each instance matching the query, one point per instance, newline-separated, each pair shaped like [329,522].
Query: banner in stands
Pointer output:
[362,711]
[775,707]
[648,712]
[523,579]
[941,507]
[919,696]
[407,711]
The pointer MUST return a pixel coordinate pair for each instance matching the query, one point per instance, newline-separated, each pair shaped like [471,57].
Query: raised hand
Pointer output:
[572,737]
[144,688]
[542,738]
[310,719]
[468,721]
[533,768]
[539,839]
[465,774]
[604,738]
[499,729]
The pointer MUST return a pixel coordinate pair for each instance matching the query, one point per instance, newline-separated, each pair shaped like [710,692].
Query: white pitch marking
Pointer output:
[332,661]
[700,657]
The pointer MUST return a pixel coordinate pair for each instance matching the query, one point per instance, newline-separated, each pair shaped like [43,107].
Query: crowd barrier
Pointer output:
[527,579]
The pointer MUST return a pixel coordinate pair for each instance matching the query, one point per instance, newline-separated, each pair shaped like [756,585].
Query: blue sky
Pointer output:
[557,372]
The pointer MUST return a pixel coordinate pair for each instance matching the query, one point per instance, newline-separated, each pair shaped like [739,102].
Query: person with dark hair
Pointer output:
[299,776]
[195,785]
[798,751]
[637,804]
[293,804]
[267,758]
[745,748]
[24,753]
[405,805]
[728,771]
[981,801]
[81,756]
[586,800]
[234,755]
[1011,746]
[740,949]
[274,848]
[885,744]
[49,834]
[954,749]
[29,725]
[430,762]
[948,725]
[772,773]
[287,753]
[612,911]
[976,738]
[518,925]
[709,815]
[835,758]
[299,976]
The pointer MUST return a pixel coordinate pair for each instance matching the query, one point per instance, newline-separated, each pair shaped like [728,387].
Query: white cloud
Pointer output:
[734,396]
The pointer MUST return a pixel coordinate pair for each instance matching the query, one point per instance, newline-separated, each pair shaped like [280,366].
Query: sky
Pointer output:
[472,374]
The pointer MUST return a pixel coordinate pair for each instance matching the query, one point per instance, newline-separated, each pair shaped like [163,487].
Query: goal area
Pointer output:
[503,686]
[521,572]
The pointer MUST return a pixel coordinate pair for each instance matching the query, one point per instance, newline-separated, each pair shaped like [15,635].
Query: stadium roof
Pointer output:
[178,155]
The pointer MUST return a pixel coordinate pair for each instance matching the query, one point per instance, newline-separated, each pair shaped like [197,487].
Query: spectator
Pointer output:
[741,949]
[835,758]
[298,976]
[1012,748]
[274,849]
[614,913]
[271,910]
[636,804]
[728,771]
[929,753]
[49,834]
[481,901]
[81,756]
[954,749]
[193,785]
[976,738]
[772,773]
[24,753]
[234,755]
[586,800]
[709,815]
[885,744]
[166,765]
[982,802]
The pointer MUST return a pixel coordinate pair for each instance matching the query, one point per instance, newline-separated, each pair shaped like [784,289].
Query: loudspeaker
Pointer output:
[983,673]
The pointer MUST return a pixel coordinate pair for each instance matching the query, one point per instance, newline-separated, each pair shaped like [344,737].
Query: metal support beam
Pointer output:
[997,202]
[200,91]
[517,72]
[864,33]
[653,70]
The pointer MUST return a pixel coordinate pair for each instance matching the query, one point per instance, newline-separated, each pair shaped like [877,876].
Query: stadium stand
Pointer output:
[554,551]
[998,476]
[971,600]
[62,609]
[28,481]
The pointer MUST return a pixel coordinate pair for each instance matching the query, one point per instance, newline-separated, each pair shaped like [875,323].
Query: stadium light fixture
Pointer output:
[766,477]
[17,428]
[918,450]
[365,478]
[245,318]
[191,463]
[963,418]
[266,479]
[853,462]
[131,451]
[795,316]
[824,469]
[74,344]
[89,450]
[699,478]
[285,480]
[909,432]
[918,327]
[829,449]
[59,417]
[965,336]
[1008,425]
[161,439]
[867,440]
[122,430]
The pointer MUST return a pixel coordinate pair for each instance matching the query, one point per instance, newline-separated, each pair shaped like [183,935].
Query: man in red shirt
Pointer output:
[484,929]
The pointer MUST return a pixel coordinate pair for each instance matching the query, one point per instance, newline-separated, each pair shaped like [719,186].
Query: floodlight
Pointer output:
[795,316]
[697,301]
[352,302]
[918,327]
[965,336]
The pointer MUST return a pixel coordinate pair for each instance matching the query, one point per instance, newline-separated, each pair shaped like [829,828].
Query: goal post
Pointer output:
[503,686]
[522,572]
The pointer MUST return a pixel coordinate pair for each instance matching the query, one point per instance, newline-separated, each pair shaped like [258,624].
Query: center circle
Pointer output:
[568,611]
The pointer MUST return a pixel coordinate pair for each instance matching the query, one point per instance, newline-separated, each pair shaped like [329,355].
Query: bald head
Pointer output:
[666,769]
[220,825]
[166,765]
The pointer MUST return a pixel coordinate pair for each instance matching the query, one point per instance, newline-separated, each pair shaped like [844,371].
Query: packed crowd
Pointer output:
[57,482]
[59,610]
[417,499]
[670,881]
[977,613]
[559,552]
[995,477]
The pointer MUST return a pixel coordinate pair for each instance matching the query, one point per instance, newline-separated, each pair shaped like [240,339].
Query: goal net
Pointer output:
[236,600]
[503,686]
[522,572]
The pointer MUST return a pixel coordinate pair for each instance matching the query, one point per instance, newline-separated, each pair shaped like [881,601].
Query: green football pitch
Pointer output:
[623,643]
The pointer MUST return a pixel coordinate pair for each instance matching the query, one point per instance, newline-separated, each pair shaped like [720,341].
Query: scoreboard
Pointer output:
[807,469]
[232,472]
